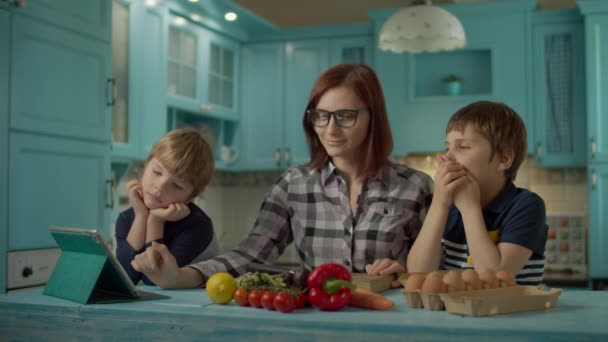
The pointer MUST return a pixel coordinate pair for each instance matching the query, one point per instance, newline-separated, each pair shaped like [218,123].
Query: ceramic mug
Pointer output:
[229,154]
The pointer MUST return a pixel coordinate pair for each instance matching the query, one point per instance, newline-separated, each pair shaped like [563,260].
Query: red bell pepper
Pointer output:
[329,287]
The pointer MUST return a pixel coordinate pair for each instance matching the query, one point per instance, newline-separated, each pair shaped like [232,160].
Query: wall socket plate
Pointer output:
[31,267]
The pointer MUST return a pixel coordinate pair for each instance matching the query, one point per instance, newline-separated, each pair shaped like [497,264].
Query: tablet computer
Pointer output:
[88,272]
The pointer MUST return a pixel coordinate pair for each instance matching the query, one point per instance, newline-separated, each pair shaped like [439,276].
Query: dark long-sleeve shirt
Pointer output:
[186,239]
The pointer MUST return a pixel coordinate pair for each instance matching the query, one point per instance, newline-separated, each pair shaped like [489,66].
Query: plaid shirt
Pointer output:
[310,207]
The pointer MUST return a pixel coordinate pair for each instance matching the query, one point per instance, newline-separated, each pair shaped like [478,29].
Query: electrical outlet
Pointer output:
[31,267]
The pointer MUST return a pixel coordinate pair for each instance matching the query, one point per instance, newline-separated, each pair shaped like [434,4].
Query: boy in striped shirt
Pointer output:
[478,218]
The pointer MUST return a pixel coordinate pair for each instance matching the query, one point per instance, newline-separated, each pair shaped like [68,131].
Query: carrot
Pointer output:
[366,299]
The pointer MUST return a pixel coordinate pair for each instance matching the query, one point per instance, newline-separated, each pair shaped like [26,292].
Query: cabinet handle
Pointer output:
[109,194]
[593,148]
[287,156]
[277,157]
[539,151]
[206,108]
[593,179]
[110,92]
[16,3]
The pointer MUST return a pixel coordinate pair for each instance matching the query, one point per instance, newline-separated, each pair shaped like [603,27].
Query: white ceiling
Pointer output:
[294,13]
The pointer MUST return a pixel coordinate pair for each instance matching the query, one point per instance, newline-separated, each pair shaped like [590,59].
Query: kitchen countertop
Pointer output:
[190,315]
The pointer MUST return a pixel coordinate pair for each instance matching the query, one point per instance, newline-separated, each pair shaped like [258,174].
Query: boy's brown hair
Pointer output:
[499,124]
[186,154]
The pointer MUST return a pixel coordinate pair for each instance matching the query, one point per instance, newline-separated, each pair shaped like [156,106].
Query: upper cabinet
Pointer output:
[493,66]
[559,88]
[202,70]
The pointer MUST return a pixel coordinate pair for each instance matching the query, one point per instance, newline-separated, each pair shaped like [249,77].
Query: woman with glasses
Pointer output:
[350,204]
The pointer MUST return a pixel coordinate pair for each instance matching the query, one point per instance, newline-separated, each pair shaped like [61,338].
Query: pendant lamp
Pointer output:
[422,28]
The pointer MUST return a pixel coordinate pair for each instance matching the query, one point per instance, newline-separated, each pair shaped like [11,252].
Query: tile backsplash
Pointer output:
[233,200]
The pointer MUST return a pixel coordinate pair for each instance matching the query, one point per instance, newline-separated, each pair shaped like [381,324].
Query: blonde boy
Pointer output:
[478,218]
[177,169]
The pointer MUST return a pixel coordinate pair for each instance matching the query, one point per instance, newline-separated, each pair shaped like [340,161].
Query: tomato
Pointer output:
[267,300]
[284,302]
[302,300]
[240,296]
[254,298]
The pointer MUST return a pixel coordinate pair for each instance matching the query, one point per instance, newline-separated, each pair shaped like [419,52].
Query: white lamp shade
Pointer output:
[422,28]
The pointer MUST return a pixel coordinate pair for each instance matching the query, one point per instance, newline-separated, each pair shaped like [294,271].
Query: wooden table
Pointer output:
[190,315]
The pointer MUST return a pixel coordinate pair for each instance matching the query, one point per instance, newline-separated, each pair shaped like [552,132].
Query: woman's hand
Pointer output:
[136,197]
[174,212]
[385,267]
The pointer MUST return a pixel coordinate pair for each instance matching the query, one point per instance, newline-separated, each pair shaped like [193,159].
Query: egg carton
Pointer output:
[486,302]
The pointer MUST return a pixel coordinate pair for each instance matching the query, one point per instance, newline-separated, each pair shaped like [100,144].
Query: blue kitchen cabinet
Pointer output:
[4,96]
[596,53]
[202,70]
[305,60]
[559,88]
[60,81]
[262,133]
[494,66]
[598,221]
[56,182]
[139,110]
[91,19]
[356,50]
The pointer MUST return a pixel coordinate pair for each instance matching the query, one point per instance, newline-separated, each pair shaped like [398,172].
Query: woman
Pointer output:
[348,205]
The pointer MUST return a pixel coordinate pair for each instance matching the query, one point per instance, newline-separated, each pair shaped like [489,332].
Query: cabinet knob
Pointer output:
[593,148]
[287,156]
[277,157]
[593,179]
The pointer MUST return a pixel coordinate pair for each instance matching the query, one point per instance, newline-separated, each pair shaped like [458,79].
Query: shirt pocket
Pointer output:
[385,209]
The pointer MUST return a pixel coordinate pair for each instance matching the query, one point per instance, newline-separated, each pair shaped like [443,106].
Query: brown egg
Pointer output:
[488,279]
[471,280]
[414,282]
[505,279]
[433,284]
[453,281]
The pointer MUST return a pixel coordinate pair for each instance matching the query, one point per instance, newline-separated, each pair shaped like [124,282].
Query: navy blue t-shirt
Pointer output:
[516,216]
[186,239]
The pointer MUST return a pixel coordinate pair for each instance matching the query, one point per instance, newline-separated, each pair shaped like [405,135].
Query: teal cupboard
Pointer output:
[596,33]
[4,95]
[58,129]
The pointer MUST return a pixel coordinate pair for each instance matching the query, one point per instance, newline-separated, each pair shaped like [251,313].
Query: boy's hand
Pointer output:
[385,267]
[136,197]
[467,193]
[174,212]
[158,264]
[448,177]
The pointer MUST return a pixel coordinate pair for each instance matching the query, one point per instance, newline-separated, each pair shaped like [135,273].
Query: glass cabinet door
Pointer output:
[221,76]
[182,68]
[120,72]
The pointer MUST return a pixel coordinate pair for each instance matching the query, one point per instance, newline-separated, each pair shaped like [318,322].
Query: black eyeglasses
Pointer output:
[342,117]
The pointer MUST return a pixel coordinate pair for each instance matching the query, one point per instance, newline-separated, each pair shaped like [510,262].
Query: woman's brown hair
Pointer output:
[362,80]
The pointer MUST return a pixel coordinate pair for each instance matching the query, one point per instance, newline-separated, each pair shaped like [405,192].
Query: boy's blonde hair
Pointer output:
[500,125]
[186,154]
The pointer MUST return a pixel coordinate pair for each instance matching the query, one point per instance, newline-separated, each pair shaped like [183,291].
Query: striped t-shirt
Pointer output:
[516,216]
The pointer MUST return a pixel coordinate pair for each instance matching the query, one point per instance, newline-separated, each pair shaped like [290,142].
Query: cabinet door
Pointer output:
[56,182]
[305,61]
[559,94]
[598,221]
[596,29]
[59,82]
[357,50]
[262,128]
[92,18]
[123,120]
[4,93]
[183,70]
[221,64]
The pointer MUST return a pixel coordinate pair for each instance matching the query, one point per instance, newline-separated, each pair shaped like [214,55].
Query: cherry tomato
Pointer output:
[240,296]
[302,300]
[254,298]
[267,300]
[284,302]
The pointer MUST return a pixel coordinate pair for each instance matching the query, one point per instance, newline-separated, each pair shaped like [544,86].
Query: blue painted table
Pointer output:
[190,315]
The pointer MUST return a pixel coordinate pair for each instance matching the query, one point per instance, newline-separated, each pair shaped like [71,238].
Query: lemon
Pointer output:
[221,287]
